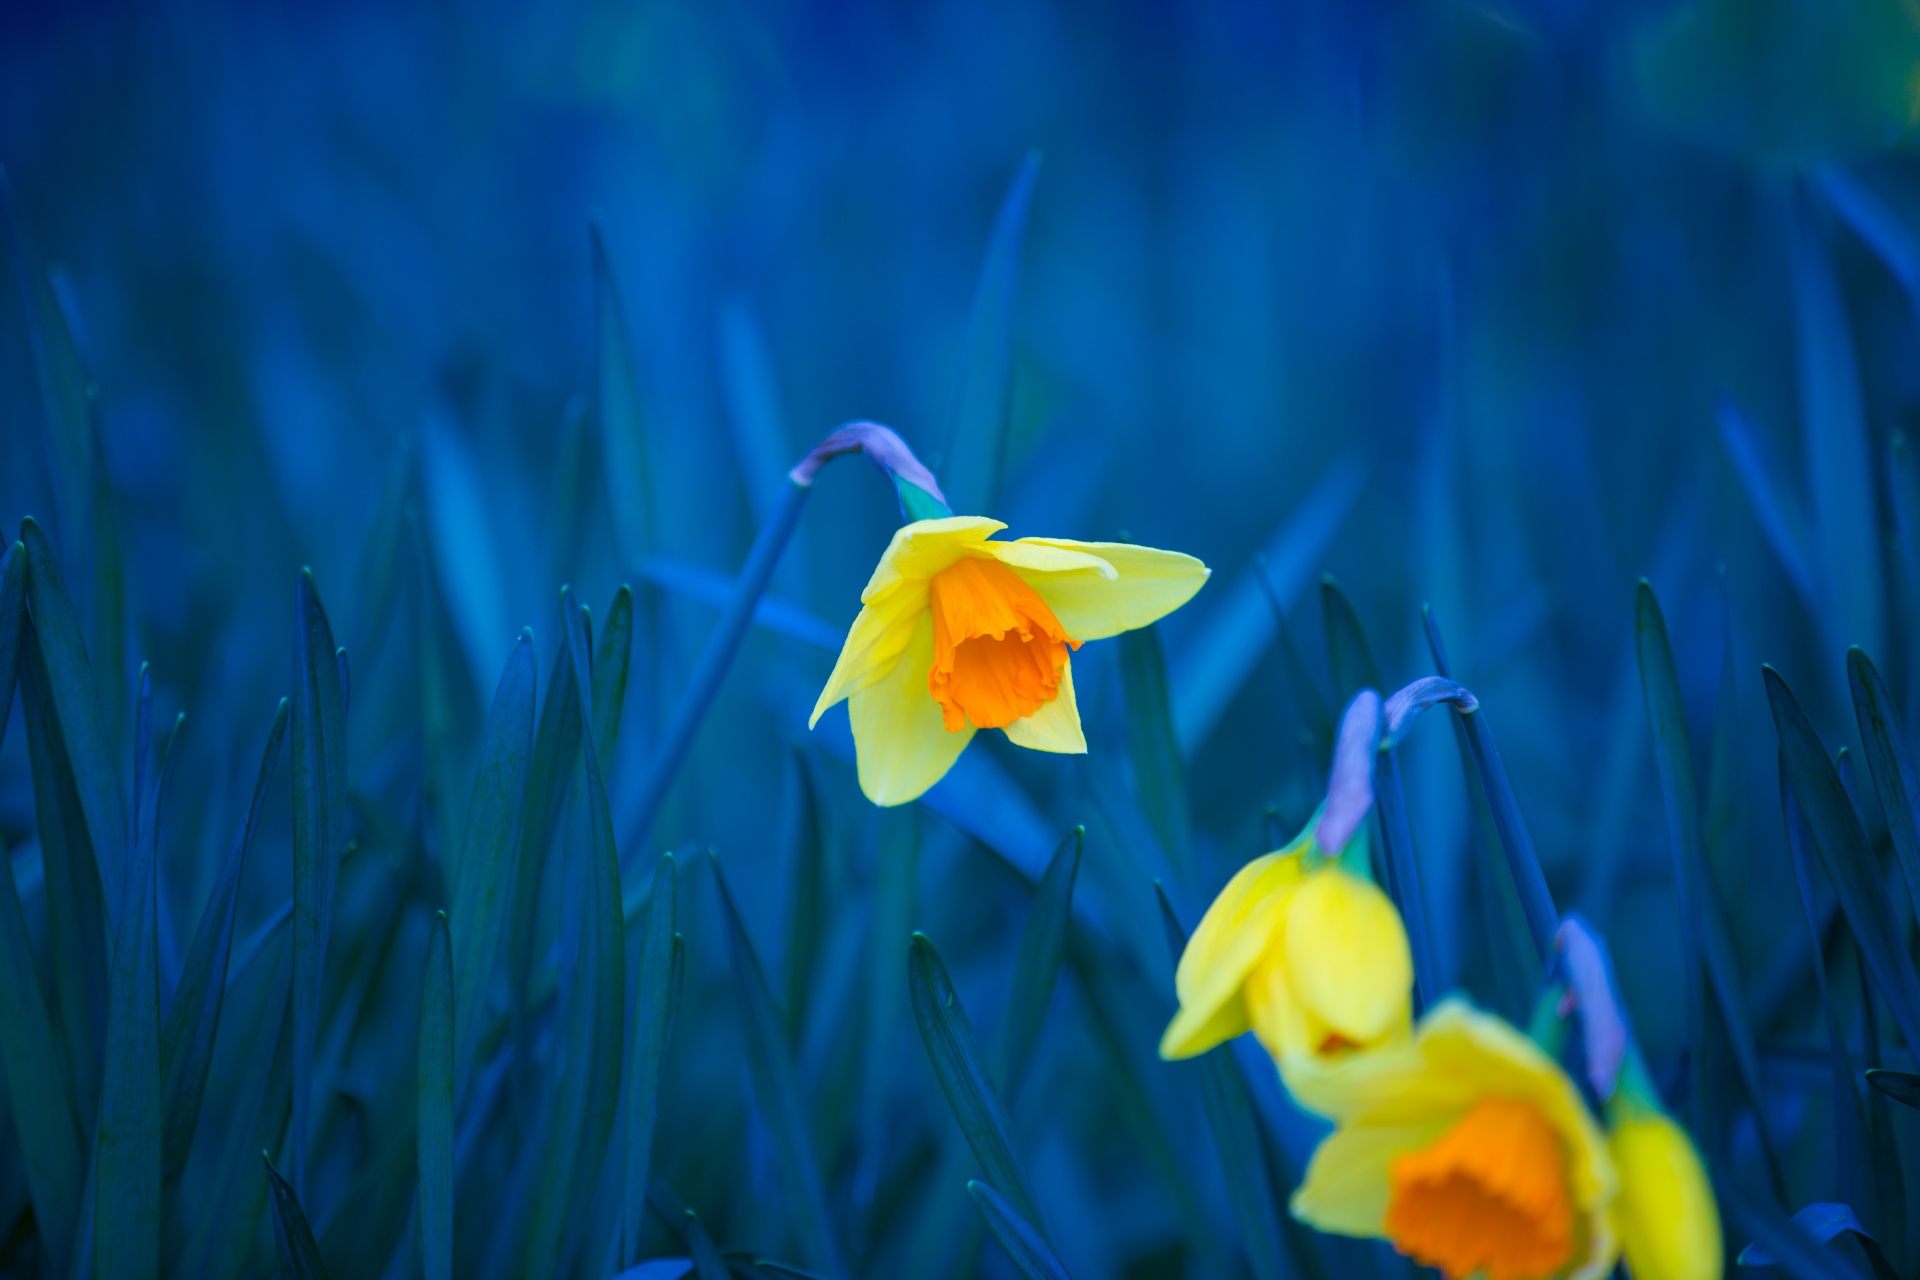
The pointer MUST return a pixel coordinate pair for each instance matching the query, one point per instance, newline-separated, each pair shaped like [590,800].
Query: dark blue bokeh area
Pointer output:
[1493,307]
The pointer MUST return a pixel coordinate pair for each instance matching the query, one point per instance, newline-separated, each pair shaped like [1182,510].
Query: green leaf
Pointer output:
[70,681]
[1890,763]
[13,604]
[1849,862]
[1703,918]
[611,658]
[1023,1242]
[299,1253]
[1349,656]
[1160,778]
[974,455]
[1236,1136]
[656,1000]
[896,880]
[50,1145]
[127,1143]
[776,1089]
[436,1105]
[806,892]
[623,435]
[1902,1086]
[707,1262]
[916,503]
[494,821]
[186,1045]
[319,821]
[1036,966]
[1824,1222]
[961,1068]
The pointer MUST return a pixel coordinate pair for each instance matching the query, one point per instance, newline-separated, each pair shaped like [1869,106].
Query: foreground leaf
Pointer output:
[1036,966]
[1891,765]
[656,1000]
[1023,1242]
[436,1105]
[1159,775]
[1824,1222]
[299,1253]
[623,437]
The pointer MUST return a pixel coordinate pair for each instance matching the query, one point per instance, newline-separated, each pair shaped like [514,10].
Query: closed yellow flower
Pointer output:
[958,632]
[1469,1150]
[1310,957]
[1668,1222]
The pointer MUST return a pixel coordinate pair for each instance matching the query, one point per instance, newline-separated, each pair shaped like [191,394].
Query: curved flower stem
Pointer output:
[1403,873]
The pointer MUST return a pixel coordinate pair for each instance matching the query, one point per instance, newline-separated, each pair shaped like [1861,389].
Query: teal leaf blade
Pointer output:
[961,1068]
[1158,771]
[776,1088]
[656,1000]
[974,455]
[1902,1086]
[494,821]
[707,1262]
[612,657]
[1890,763]
[807,920]
[319,801]
[13,604]
[1349,656]
[186,1045]
[623,436]
[1023,1242]
[1036,966]
[299,1252]
[435,1130]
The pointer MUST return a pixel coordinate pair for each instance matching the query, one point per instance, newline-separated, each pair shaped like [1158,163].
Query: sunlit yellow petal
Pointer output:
[1347,955]
[1036,555]
[1150,585]
[1346,1189]
[1669,1224]
[925,547]
[1055,726]
[901,744]
[1310,1052]
[1230,940]
[874,643]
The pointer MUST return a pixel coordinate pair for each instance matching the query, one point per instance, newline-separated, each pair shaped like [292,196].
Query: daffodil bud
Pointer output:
[1668,1222]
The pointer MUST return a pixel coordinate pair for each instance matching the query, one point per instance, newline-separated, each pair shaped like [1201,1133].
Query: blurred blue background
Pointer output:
[1497,307]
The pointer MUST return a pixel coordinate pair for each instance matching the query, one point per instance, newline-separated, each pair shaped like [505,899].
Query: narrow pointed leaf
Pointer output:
[1844,853]
[186,1045]
[975,452]
[655,1003]
[556,746]
[1023,1242]
[1159,775]
[435,1129]
[1890,762]
[319,818]
[13,605]
[1349,656]
[1823,1222]
[1781,521]
[299,1253]
[623,437]
[807,892]
[494,818]
[1036,966]
[776,1088]
[707,1262]
[612,656]
[961,1068]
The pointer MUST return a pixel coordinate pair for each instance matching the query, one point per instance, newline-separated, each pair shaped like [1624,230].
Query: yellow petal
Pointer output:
[925,547]
[1033,555]
[874,644]
[1347,955]
[900,742]
[1346,1189]
[1091,606]
[1232,936]
[1310,1052]
[1669,1224]
[1055,726]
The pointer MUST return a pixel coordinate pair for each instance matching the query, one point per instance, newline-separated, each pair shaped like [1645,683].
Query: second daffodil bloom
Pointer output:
[1310,956]
[1669,1223]
[959,632]
[1469,1150]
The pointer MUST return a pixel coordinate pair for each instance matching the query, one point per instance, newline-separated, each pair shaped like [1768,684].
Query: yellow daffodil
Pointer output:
[1668,1222]
[958,632]
[1469,1150]
[1309,956]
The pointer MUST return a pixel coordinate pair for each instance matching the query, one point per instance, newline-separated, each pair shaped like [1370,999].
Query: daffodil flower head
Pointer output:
[959,632]
[1301,947]
[1468,1149]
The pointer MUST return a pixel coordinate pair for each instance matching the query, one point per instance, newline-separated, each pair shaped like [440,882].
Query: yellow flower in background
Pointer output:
[1469,1150]
[1310,957]
[1668,1221]
[959,633]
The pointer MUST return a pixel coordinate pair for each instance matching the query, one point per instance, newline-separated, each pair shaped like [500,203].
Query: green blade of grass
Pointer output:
[807,894]
[435,1127]
[1349,656]
[707,1262]
[1023,1242]
[299,1252]
[623,435]
[1236,1136]
[75,700]
[1159,774]
[974,454]
[612,656]
[656,1000]
[186,1044]
[1036,967]
[1891,765]
[776,1088]
[1844,853]
[961,1068]
[319,803]
[13,604]
[1704,929]
[494,821]
[127,1142]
